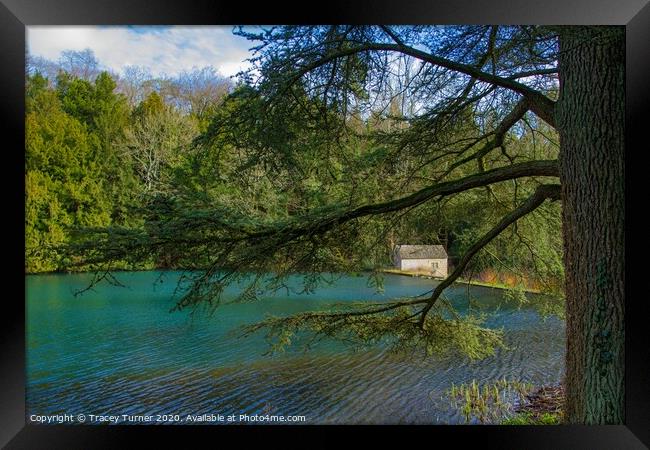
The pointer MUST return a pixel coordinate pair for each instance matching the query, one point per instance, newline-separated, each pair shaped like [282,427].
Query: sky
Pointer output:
[162,50]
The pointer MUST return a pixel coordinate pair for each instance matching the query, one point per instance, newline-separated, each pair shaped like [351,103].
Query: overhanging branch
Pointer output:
[533,168]
[209,227]
[499,135]
[543,168]
[543,192]
[541,105]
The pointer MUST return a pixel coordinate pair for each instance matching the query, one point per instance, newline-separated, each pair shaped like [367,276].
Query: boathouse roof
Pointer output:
[421,252]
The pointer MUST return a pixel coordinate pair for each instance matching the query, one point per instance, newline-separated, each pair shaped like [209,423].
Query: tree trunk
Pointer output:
[590,117]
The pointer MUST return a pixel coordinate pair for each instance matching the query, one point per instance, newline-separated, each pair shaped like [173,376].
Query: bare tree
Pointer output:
[154,142]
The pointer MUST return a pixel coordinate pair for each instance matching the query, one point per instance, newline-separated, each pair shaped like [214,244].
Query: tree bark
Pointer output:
[590,117]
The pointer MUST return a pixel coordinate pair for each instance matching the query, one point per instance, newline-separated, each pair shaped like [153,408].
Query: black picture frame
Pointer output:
[15,15]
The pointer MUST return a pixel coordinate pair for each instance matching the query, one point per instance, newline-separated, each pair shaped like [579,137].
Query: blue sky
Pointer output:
[162,50]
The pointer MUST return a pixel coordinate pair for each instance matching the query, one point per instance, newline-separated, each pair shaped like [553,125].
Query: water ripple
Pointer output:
[121,352]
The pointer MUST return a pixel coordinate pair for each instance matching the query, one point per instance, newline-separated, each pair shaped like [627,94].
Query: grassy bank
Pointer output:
[494,285]
[410,273]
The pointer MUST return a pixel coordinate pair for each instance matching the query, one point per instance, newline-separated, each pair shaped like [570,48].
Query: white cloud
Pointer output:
[161,50]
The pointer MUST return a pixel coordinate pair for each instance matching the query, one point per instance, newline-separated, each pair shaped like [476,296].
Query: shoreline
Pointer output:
[458,281]
[387,271]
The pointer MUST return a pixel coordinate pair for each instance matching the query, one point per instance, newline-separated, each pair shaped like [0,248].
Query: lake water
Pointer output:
[119,350]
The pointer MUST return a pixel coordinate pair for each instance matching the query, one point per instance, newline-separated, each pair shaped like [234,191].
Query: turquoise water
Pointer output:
[117,350]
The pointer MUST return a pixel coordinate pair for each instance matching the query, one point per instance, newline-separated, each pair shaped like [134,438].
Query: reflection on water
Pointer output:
[119,350]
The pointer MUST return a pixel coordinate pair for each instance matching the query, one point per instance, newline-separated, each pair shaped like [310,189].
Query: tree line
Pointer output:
[102,147]
[98,144]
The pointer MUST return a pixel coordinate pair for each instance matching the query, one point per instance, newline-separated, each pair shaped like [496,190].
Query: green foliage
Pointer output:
[45,220]
[529,419]
[73,173]
[153,104]
[519,419]
[490,402]
[549,419]
[392,325]
[91,103]
[516,294]
[63,181]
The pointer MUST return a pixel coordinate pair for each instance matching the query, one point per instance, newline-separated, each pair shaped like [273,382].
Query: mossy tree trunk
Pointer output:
[590,117]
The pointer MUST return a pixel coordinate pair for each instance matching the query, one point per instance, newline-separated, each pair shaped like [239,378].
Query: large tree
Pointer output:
[448,104]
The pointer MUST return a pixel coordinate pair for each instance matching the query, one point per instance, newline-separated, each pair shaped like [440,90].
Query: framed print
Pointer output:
[363,217]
